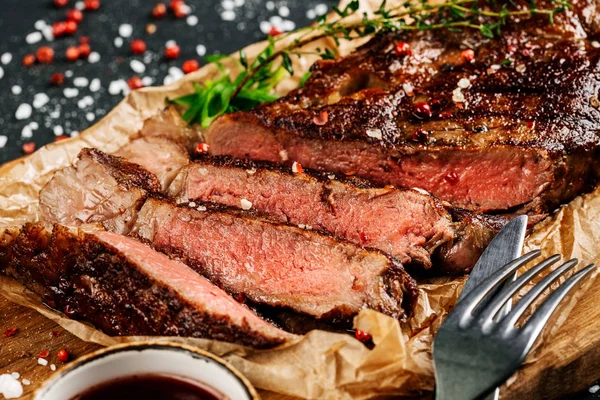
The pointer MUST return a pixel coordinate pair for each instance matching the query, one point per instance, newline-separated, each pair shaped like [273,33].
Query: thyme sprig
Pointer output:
[256,80]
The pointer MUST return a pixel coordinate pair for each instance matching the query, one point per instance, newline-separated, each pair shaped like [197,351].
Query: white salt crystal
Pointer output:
[228,15]
[70,92]
[228,4]
[201,50]
[147,80]
[3,140]
[94,57]
[246,205]
[16,90]
[40,24]
[15,375]
[27,132]
[80,5]
[53,367]
[1,72]
[137,66]
[40,100]
[464,83]
[374,133]
[321,9]
[284,11]
[265,27]
[95,85]
[58,130]
[26,382]
[33,37]
[192,20]
[457,96]
[10,388]
[90,116]
[80,81]
[23,111]
[125,30]
[203,171]
[6,58]
[42,361]
[118,42]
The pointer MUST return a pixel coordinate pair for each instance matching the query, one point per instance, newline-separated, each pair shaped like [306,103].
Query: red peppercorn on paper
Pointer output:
[321,364]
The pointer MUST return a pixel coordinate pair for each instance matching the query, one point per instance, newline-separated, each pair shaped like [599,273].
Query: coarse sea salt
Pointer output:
[192,20]
[40,100]
[246,205]
[118,42]
[90,116]
[1,72]
[53,367]
[95,85]
[374,133]
[15,375]
[23,111]
[58,130]
[10,388]
[464,83]
[70,92]
[94,57]
[201,50]
[228,15]
[137,66]
[80,81]
[26,382]
[27,132]
[16,90]
[6,58]
[125,30]
[3,140]
[42,361]
[33,37]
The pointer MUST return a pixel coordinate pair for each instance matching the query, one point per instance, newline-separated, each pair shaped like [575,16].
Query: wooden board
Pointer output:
[569,364]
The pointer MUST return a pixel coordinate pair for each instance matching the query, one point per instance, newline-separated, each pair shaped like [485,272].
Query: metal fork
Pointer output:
[477,347]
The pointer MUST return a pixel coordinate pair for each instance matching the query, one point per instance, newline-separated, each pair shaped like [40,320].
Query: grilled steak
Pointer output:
[278,265]
[403,223]
[99,188]
[125,288]
[496,137]
[159,155]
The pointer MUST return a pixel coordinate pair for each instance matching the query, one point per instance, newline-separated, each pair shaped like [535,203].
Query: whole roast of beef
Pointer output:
[512,129]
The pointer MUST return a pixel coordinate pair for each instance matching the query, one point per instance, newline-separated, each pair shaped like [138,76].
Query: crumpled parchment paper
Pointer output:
[321,365]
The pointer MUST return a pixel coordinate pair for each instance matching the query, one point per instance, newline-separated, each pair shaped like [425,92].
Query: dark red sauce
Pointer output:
[151,387]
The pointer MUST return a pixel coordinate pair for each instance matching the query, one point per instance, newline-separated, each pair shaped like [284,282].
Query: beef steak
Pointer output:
[498,136]
[407,224]
[125,288]
[278,265]
[99,188]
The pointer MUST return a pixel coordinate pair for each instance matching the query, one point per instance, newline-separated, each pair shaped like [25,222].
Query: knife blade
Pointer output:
[505,247]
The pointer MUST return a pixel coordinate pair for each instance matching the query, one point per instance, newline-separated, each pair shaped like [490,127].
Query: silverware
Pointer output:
[504,248]
[477,348]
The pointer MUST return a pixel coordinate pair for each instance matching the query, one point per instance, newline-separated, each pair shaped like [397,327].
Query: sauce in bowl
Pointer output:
[151,387]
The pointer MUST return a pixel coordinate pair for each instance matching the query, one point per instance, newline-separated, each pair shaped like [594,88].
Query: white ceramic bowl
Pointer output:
[146,358]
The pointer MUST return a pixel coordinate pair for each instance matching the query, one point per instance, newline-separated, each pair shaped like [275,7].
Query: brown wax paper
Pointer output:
[320,365]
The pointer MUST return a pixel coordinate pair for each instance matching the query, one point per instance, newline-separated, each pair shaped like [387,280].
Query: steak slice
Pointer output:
[125,288]
[518,137]
[278,265]
[99,188]
[159,155]
[406,224]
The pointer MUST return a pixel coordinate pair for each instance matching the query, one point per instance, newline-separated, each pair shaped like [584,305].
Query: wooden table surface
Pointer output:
[19,353]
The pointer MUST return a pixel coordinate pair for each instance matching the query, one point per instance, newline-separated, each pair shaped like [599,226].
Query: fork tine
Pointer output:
[489,312]
[465,307]
[534,326]
[508,322]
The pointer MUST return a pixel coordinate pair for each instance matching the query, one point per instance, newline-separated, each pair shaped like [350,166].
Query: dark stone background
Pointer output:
[17,19]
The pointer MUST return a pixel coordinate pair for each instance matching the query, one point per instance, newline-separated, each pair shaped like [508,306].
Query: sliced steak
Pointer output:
[99,188]
[125,288]
[278,265]
[406,224]
[159,155]
[497,137]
